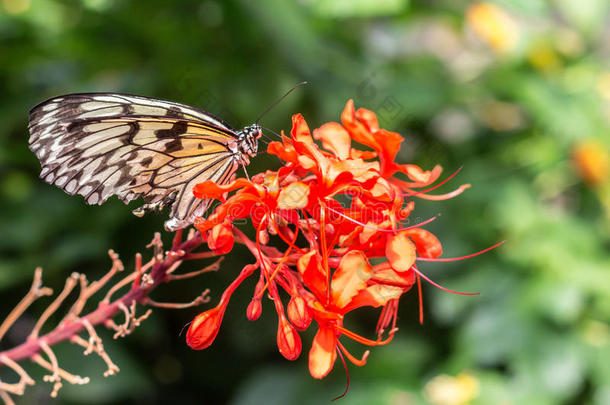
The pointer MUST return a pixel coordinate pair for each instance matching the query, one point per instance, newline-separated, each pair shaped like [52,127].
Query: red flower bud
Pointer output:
[299,313]
[288,339]
[254,310]
[204,328]
[220,239]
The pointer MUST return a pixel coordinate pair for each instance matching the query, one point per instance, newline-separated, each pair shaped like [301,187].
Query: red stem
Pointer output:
[104,312]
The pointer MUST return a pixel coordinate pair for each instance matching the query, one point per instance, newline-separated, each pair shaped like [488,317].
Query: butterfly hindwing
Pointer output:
[98,145]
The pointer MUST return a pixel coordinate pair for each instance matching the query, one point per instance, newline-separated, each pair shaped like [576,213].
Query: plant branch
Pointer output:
[143,280]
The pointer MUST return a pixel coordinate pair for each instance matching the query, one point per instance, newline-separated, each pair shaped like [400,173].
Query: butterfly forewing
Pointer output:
[98,145]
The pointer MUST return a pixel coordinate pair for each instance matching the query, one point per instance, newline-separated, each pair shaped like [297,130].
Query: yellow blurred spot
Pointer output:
[401,398]
[597,333]
[569,42]
[603,85]
[544,58]
[448,390]
[16,6]
[493,25]
[501,116]
[592,161]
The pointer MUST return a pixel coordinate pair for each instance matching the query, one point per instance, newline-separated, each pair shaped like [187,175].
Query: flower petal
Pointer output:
[211,189]
[283,151]
[362,154]
[375,296]
[364,128]
[368,118]
[314,277]
[350,277]
[300,130]
[323,352]
[419,177]
[400,251]
[385,274]
[359,169]
[335,139]
[357,130]
[293,196]
[426,243]
[390,145]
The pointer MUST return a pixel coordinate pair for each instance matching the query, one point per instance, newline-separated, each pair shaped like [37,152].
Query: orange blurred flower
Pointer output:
[493,25]
[592,161]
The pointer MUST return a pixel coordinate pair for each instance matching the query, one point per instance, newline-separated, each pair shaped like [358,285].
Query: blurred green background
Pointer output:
[517,92]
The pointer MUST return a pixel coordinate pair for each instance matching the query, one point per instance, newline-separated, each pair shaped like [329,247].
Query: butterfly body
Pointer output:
[103,144]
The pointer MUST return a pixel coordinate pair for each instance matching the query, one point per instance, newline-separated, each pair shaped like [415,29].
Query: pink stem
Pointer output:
[104,312]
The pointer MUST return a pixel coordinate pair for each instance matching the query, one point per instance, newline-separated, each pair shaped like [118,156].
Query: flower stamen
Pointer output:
[346,374]
[435,186]
[363,340]
[381,229]
[438,285]
[453,259]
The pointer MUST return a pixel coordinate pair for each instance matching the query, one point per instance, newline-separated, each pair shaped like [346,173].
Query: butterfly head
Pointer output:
[248,139]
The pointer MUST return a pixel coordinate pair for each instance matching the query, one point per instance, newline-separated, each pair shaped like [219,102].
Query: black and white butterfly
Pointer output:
[103,144]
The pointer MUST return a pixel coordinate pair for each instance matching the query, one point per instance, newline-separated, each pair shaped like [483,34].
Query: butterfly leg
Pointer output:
[245,172]
[156,206]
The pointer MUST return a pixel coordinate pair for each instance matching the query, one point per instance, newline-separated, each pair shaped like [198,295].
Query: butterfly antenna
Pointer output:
[272,131]
[278,100]
[267,137]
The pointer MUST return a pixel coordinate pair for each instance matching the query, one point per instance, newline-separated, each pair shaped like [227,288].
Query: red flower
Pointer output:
[220,239]
[334,207]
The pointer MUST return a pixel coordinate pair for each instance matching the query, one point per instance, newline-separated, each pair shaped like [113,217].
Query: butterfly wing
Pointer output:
[98,145]
[112,105]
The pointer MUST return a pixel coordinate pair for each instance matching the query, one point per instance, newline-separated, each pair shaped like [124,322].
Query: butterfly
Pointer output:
[103,144]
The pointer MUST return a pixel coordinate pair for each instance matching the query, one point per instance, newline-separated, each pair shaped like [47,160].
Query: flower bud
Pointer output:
[220,239]
[299,313]
[288,339]
[204,328]
[263,237]
[254,310]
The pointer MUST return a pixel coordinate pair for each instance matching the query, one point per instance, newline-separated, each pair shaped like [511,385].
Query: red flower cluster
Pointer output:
[338,213]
